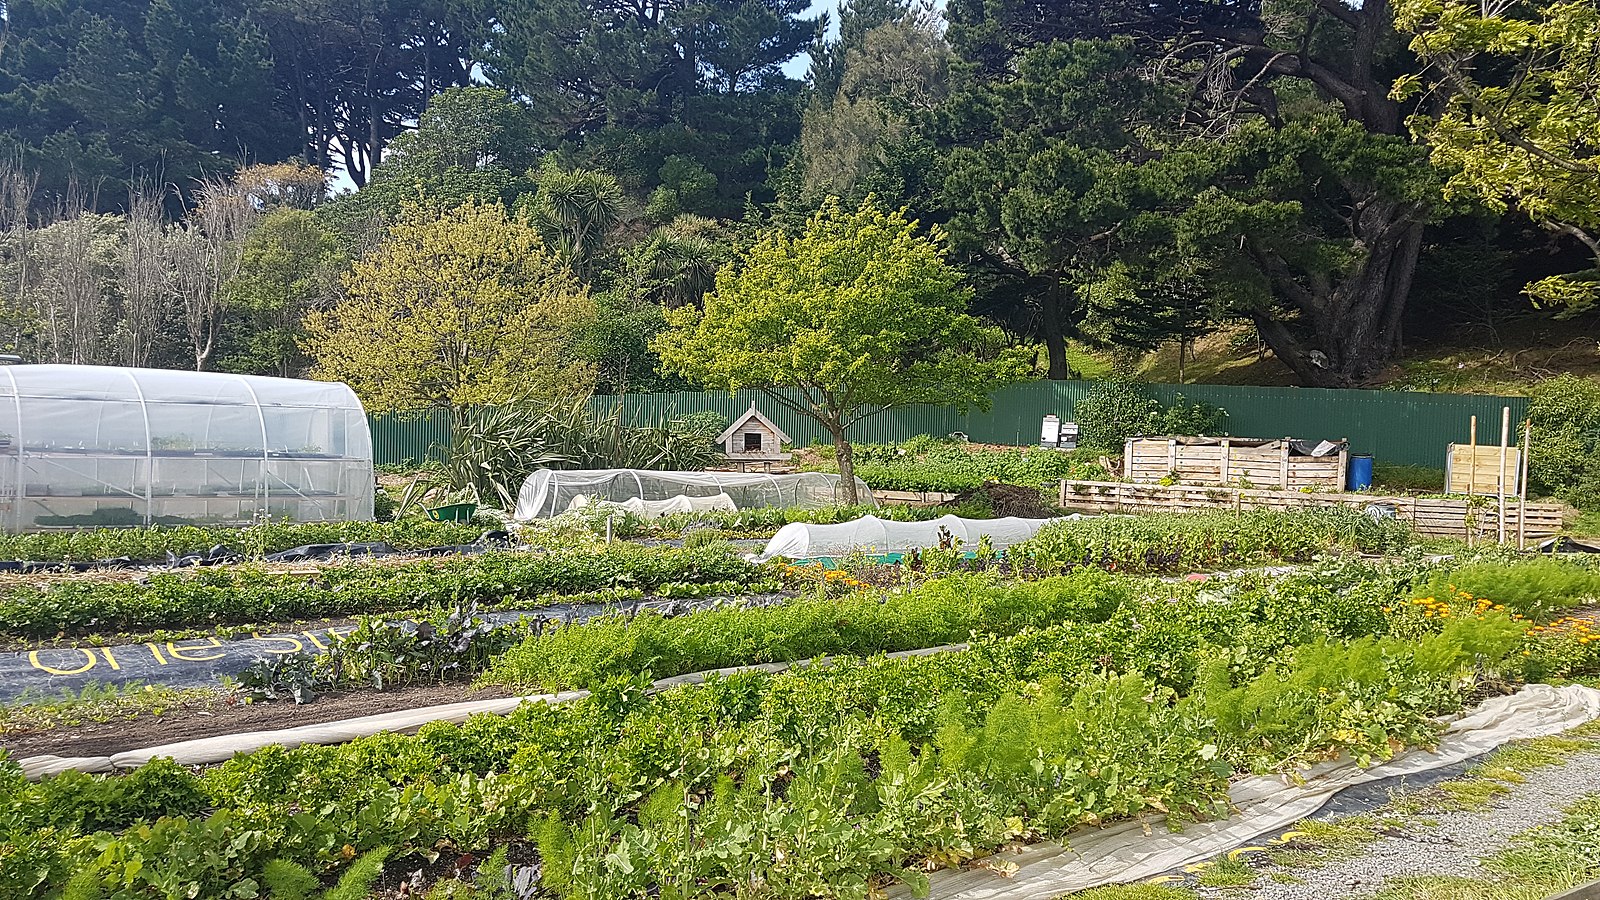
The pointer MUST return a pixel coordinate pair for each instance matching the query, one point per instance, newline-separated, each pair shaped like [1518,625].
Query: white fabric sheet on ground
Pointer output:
[655,509]
[870,534]
[1124,853]
[549,492]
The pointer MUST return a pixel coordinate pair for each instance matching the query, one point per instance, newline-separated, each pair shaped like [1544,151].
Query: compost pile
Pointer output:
[1007,500]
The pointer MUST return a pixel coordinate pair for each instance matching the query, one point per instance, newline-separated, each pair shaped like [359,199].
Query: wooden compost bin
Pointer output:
[1434,516]
[1465,474]
[1233,462]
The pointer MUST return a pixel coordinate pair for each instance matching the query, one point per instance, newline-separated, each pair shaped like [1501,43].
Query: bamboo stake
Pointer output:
[1522,487]
[1500,476]
[1472,475]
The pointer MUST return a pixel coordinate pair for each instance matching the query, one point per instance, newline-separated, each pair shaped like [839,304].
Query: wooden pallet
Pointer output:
[1433,516]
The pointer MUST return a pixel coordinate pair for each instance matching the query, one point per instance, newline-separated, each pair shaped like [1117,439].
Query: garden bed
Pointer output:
[1083,698]
[224,714]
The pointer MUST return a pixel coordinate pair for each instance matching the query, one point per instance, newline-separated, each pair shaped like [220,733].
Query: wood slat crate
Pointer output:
[1230,461]
[1463,477]
[1433,516]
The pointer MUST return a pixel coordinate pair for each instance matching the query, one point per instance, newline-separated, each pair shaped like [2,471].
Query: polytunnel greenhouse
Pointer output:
[548,492]
[92,446]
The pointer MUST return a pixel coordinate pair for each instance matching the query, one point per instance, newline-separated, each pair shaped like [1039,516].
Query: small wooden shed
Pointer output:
[753,438]
[1285,463]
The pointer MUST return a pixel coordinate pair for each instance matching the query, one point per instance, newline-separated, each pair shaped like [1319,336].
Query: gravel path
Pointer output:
[1453,847]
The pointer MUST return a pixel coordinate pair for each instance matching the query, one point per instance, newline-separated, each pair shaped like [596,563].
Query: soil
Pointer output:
[1008,500]
[223,715]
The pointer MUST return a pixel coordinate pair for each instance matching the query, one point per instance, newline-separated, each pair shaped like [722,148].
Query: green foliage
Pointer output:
[941,612]
[1208,540]
[468,306]
[288,266]
[285,880]
[494,449]
[926,463]
[1516,136]
[96,94]
[1138,700]
[1535,587]
[1409,479]
[244,594]
[861,313]
[1115,410]
[1565,459]
[357,881]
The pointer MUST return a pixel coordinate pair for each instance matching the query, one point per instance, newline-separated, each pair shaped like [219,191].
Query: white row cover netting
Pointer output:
[550,492]
[870,534]
[88,446]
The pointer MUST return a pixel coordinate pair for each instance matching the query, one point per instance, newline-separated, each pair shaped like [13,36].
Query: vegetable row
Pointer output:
[233,594]
[254,540]
[831,780]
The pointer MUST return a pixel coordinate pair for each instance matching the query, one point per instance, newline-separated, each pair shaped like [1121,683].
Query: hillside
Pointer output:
[1467,359]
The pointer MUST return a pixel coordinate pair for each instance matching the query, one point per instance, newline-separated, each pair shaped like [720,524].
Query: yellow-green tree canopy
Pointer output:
[1519,119]
[453,309]
[858,314]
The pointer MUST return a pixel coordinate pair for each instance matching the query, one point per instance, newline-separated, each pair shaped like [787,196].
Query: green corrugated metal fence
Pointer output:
[1393,426]
[406,439]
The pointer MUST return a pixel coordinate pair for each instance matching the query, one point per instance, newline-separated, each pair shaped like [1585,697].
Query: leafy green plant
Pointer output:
[1203,540]
[940,612]
[1116,409]
[1535,587]
[292,676]
[939,464]
[1565,458]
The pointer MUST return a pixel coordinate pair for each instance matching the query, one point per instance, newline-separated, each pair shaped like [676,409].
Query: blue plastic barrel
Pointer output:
[1360,472]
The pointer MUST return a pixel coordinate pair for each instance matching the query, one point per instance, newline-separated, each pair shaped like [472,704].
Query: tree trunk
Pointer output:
[1349,328]
[845,455]
[1053,330]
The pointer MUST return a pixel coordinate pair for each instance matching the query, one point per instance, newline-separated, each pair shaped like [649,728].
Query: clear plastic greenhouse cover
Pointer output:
[550,492]
[91,446]
[870,534]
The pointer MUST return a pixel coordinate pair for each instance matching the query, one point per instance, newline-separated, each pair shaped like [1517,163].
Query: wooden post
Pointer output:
[1472,478]
[1227,460]
[1522,487]
[1500,476]
[1172,456]
[1344,465]
[1283,466]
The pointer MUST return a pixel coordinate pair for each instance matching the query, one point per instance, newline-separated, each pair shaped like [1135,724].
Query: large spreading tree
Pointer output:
[1296,103]
[858,314]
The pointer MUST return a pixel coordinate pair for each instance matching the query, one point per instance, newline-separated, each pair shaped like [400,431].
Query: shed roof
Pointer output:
[753,413]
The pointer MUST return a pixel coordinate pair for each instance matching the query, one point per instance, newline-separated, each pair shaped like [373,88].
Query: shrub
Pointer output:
[1565,458]
[924,463]
[1115,410]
